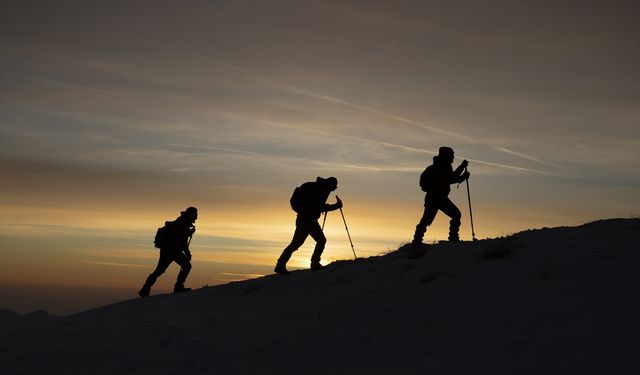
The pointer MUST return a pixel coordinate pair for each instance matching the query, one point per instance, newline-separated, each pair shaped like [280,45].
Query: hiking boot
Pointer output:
[281,269]
[144,291]
[180,289]
[316,266]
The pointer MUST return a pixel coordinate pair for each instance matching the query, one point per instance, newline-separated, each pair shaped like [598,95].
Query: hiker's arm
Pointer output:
[333,207]
[461,178]
[461,168]
[460,174]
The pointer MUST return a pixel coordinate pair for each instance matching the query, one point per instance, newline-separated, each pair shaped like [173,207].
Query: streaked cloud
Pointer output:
[247,275]
[384,114]
[112,264]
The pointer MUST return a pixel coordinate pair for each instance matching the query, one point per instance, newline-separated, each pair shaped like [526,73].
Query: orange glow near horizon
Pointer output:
[93,248]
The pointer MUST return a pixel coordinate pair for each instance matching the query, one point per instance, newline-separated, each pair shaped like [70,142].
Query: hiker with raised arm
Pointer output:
[173,240]
[309,201]
[435,181]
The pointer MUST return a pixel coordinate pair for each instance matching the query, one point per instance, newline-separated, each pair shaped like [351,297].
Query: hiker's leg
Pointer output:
[454,213]
[164,262]
[430,211]
[316,233]
[185,267]
[299,236]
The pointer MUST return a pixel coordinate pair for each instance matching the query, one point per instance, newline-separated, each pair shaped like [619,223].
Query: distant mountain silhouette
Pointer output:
[552,300]
[11,320]
[7,315]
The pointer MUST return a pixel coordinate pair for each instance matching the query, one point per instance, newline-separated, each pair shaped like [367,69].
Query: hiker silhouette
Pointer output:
[435,181]
[173,241]
[309,201]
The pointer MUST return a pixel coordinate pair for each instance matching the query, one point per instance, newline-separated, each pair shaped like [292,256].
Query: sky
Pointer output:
[115,116]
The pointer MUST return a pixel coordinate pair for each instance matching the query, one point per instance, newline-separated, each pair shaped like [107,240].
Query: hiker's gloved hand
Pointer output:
[464,163]
[465,175]
[191,231]
[188,254]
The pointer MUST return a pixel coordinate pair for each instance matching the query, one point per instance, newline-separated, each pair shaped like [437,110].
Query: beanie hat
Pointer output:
[330,183]
[445,151]
[190,211]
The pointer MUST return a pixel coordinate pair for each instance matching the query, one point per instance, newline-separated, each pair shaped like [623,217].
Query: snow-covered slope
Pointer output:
[549,301]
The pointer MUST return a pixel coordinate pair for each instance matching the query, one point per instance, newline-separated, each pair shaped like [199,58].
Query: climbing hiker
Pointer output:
[435,181]
[309,201]
[173,240]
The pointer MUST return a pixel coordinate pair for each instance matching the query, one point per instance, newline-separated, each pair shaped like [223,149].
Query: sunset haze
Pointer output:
[115,116]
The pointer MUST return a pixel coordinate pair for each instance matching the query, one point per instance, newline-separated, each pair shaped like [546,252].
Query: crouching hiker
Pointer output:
[436,181]
[309,200]
[173,241]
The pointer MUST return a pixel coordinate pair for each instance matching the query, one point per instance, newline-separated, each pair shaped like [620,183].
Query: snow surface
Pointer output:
[549,301]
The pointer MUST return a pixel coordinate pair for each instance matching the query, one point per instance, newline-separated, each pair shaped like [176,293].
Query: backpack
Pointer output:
[299,199]
[165,236]
[425,179]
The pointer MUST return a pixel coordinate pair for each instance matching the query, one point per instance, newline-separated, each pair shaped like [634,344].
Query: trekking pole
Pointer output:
[473,232]
[349,235]
[323,220]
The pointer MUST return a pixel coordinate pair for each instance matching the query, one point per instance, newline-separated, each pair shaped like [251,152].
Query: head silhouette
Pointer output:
[190,214]
[329,184]
[446,154]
